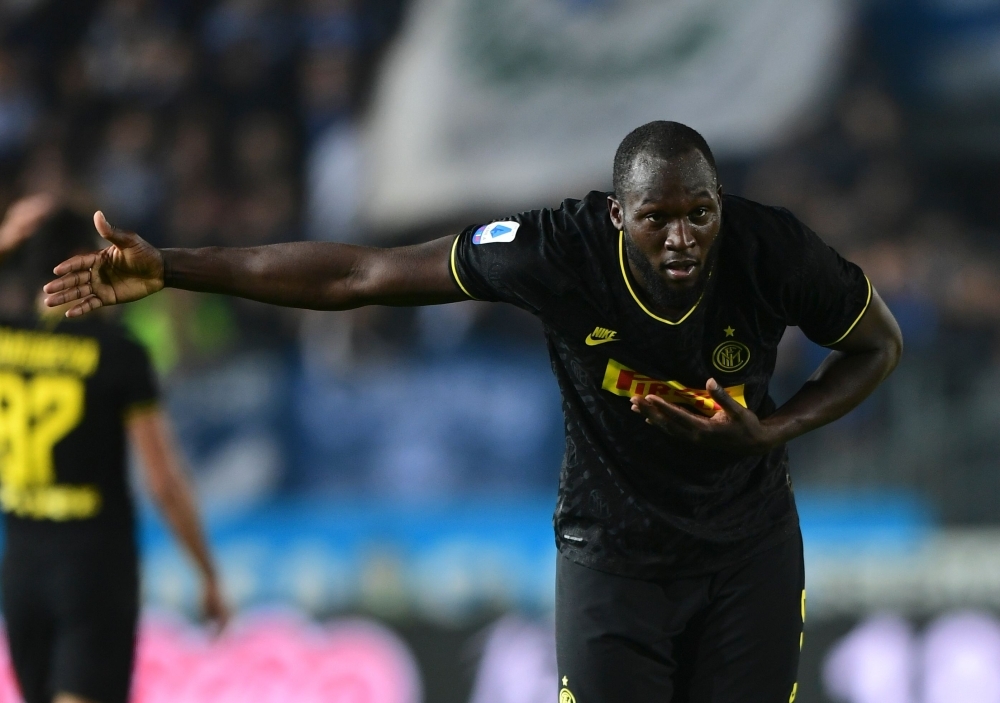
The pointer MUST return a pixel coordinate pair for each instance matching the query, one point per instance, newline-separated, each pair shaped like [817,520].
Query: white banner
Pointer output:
[500,105]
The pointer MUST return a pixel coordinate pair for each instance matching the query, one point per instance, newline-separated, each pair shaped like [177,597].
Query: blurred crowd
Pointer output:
[193,123]
[236,122]
[924,228]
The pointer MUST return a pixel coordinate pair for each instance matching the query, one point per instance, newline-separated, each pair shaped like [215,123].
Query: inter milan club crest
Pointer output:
[564,693]
[731,355]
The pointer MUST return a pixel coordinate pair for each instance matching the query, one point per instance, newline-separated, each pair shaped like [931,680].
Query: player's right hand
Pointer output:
[130,269]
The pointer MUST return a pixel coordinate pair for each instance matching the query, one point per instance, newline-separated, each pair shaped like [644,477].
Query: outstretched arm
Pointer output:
[150,435]
[21,221]
[315,275]
[855,367]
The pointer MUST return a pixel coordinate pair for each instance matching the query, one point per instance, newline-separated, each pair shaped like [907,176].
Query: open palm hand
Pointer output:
[129,269]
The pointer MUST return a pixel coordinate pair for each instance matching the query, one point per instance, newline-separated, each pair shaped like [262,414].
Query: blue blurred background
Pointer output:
[402,464]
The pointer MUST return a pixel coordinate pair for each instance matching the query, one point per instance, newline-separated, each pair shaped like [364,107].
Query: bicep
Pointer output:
[420,274]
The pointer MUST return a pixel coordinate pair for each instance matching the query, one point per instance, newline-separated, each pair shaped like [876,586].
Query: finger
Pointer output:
[670,418]
[723,399]
[648,406]
[82,262]
[68,296]
[120,238]
[84,306]
[672,410]
[70,280]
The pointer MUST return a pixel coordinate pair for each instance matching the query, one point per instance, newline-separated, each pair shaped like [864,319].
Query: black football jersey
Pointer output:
[65,397]
[632,500]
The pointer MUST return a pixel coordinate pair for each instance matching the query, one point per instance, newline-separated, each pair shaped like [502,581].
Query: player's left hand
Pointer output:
[732,429]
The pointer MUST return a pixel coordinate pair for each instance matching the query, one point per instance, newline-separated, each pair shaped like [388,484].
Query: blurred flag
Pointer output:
[487,105]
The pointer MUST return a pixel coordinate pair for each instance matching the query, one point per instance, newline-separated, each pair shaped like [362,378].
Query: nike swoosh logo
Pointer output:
[591,342]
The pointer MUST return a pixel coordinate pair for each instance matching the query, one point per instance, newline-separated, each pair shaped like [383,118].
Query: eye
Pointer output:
[699,213]
[654,217]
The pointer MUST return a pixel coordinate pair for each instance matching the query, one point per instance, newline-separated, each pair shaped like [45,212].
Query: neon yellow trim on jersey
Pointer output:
[857,319]
[621,260]
[454,270]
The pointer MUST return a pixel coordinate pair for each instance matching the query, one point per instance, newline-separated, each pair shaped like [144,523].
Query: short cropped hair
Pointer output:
[660,138]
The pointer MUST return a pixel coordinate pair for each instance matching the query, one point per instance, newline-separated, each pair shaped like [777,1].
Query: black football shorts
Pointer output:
[71,615]
[729,637]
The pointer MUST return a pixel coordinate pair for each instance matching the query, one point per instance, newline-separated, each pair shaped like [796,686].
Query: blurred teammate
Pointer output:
[70,394]
[680,575]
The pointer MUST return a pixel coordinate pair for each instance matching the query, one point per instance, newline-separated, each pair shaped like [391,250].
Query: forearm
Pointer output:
[316,275]
[21,221]
[177,505]
[839,385]
[298,274]
[167,485]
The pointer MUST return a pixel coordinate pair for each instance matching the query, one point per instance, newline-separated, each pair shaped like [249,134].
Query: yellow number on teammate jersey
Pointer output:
[13,430]
[35,414]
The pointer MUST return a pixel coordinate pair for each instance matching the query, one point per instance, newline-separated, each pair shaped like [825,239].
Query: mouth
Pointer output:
[680,270]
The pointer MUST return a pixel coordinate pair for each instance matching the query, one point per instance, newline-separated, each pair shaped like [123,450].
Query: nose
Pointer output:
[679,236]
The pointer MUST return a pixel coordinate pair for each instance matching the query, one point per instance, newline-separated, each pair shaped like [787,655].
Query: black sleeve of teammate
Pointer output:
[138,388]
[819,291]
[527,260]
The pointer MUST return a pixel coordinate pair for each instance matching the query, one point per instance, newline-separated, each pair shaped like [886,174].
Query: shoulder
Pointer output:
[573,233]
[529,258]
[573,216]
[765,235]
[590,213]
[576,229]
[758,222]
[589,216]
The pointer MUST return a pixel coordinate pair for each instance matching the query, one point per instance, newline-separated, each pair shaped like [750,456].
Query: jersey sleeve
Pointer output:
[527,260]
[821,292]
[139,389]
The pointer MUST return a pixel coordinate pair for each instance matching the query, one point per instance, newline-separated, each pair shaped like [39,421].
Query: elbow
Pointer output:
[893,350]
[345,294]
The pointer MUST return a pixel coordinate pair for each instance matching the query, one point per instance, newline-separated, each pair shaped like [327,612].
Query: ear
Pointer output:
[617,213]
[719,192]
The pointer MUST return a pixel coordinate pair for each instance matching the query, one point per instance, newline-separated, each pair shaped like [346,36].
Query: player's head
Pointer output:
[660,139]
[61,235]
[669,204]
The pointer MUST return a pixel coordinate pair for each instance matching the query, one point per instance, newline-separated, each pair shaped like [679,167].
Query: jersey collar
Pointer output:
[628,284]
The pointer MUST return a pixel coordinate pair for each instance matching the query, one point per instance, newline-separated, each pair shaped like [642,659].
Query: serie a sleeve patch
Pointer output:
[496,232]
